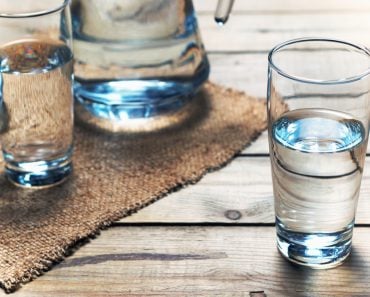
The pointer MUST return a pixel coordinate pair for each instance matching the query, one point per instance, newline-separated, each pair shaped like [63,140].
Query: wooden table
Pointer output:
[217,238]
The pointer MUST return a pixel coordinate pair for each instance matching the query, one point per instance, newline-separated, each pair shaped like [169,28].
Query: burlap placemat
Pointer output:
[116,175]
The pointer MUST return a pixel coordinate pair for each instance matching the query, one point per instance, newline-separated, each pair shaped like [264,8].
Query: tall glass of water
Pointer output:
[318,110]
[36,100]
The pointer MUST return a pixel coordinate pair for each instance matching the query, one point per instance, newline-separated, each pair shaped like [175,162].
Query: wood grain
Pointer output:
[239,193]
[197,261]
[260,32]
[235,260]
[245,72]
[288,6]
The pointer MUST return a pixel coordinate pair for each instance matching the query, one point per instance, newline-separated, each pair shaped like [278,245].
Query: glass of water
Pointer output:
[36,100]
[318,111]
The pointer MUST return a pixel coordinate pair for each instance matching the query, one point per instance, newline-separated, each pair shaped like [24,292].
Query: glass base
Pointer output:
[314,250]
[39,174]
[124,103]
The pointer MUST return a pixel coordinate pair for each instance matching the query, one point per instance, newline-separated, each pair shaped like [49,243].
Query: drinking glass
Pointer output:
[318,112]
[36,100]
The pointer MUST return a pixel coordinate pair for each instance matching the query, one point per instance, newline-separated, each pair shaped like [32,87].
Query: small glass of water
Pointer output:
[36,100]
[318,111]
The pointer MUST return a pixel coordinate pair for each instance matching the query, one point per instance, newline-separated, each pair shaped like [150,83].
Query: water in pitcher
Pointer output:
[136,59]
[36,118]
[317,164]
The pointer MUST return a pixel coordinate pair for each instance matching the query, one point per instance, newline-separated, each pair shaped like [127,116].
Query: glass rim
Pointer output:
[344,80]
[51,10]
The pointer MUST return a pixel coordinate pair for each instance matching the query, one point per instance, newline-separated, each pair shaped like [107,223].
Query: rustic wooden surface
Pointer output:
[197,261]
[217,238]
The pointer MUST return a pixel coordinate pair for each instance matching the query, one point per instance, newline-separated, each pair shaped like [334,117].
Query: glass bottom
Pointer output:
[123,103]
[314,250]
[39,174]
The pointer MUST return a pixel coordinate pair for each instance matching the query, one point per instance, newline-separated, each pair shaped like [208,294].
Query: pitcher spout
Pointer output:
[223,11]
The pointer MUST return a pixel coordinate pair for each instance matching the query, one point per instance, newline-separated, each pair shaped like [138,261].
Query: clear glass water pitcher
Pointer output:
[136,59]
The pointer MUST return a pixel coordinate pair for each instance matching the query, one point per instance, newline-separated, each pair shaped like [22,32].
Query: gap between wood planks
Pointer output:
[207,224]
[288,12]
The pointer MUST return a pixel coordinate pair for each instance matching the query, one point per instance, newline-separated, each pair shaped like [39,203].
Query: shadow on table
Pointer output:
[339,279]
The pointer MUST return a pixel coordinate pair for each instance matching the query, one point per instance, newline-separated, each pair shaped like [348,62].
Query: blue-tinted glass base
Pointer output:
[124,101]
[315,250]
[39,173]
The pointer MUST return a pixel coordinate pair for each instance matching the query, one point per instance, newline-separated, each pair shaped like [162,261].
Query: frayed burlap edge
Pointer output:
[47,263]
[60,253]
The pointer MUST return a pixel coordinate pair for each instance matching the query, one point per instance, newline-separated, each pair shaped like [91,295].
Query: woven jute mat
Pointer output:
[116,175]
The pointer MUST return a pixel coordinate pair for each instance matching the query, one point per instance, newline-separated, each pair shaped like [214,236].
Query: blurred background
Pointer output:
[238,51]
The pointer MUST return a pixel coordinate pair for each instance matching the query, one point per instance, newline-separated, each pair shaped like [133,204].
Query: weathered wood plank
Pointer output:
[197,261]
[245,72]
[260,146]
[259,32]
[239,193]
[286,6]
